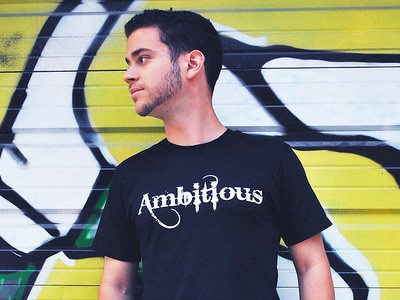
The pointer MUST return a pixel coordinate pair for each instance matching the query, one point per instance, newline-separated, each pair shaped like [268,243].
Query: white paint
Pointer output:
[50,165]
[344,94]
[353,258]
[236,106]
[261,41]
[18,230]
[287,286]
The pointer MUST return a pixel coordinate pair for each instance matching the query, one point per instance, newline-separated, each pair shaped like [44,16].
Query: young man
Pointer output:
[205,208]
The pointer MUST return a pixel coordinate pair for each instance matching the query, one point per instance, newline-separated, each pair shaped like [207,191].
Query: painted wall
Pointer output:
[322,75]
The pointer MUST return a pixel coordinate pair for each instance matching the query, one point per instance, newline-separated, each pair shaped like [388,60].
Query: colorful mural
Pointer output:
[325,79]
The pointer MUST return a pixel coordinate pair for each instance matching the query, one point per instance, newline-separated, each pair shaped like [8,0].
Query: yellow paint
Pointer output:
[27,7]
[263,5]
[369,220]
[17,36]
[77,282]
[322,25]
[110,105]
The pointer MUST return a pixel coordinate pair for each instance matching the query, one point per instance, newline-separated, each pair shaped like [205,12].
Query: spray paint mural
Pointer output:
[291,72]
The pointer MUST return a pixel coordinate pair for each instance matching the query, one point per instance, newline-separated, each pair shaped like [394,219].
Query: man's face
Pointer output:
[152,77]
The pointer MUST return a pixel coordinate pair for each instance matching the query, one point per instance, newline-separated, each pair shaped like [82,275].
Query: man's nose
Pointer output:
[130,75]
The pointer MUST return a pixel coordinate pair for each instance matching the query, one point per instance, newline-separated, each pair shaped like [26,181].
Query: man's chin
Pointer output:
[152,109]
[142,111]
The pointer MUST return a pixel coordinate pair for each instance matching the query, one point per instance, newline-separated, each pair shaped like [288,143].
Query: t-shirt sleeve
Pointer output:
[116,233]
[301,214]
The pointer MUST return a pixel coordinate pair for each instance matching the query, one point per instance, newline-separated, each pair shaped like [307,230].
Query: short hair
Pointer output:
[184,31]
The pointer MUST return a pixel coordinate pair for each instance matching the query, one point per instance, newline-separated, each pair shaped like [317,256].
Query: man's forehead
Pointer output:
[145,38]
[145,33]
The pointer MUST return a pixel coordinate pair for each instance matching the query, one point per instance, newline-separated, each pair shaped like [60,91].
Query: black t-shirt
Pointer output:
[206,220]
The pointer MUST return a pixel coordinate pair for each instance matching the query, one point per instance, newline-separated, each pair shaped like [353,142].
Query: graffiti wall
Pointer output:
[323,76]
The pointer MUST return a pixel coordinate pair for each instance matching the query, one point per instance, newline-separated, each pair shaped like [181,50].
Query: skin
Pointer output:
[187,112]
[146,63]
[118,280]
[313,269]
[178,94]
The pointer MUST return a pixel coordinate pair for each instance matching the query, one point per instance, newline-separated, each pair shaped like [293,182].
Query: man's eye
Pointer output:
[142,59]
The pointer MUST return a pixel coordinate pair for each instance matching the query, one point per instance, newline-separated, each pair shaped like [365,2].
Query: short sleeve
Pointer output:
[116,234]
[301,214]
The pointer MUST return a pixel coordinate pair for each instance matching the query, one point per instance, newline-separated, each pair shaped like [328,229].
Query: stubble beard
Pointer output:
[169,86]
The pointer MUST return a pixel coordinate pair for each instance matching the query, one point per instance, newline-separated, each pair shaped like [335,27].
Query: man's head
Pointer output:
[184,31]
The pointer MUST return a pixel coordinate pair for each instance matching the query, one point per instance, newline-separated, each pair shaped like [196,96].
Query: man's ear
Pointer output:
[195,62]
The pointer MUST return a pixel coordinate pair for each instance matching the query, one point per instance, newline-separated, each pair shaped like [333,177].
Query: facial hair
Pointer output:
[169,86]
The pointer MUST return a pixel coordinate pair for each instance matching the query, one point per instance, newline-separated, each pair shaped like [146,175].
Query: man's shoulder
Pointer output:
[259,140]
[141,158]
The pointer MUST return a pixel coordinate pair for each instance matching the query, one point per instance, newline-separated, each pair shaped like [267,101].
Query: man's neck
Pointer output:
[194,128]
[189,118]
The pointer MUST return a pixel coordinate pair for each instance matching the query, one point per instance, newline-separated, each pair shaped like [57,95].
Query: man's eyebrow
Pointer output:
[137,52]
[140,50]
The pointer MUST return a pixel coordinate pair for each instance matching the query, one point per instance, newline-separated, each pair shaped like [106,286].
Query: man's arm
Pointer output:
[118,281]
[313,270]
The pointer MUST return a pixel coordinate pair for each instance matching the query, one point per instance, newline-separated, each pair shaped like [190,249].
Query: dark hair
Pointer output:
[184,31]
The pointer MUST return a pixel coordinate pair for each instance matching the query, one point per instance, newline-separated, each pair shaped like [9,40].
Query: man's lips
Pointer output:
[134,90]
